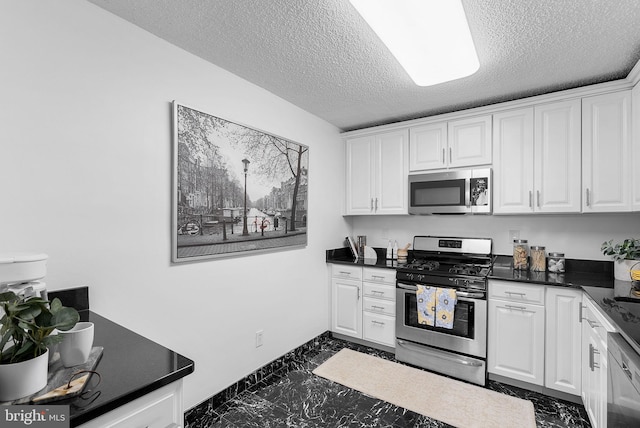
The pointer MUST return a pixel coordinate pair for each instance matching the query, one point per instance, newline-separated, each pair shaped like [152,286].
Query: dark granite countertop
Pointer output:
[131,365]
[579,273]
[623,314]
[343,256]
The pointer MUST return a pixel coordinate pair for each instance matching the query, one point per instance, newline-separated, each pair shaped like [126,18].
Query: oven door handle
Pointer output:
[438,355]
[471,295]
[407,286]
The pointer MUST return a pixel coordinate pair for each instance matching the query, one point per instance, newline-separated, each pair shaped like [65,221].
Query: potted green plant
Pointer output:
[625,255]
[25,334]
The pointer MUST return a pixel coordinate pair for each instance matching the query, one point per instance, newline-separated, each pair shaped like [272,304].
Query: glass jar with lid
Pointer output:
[556,262]
[520,254]
[538,259]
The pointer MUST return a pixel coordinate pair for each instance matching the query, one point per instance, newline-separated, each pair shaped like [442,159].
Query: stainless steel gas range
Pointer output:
[445,263]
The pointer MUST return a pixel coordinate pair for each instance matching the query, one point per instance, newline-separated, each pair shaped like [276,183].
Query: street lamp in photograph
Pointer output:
[245,231]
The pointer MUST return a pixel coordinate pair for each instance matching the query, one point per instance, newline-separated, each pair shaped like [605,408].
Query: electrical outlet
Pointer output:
[513,235]
[259,334]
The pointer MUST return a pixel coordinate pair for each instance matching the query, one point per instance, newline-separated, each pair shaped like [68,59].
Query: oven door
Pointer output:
[469,333]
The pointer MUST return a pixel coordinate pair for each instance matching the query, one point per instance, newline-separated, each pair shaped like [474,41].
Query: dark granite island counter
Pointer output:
[132,369]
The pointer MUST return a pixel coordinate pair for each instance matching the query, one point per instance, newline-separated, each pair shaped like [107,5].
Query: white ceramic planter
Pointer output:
[23,379]
[621,269]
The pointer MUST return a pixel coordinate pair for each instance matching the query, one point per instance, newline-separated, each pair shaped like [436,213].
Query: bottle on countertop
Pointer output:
[389,251]
[395,250]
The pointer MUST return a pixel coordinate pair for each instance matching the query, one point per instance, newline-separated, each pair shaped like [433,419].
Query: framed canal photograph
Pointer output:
[236,189]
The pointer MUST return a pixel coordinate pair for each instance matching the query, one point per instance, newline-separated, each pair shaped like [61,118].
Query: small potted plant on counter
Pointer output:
[25,332]
[625,255]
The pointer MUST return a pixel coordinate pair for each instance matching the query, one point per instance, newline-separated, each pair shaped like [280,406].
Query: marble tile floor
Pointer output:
[294,397]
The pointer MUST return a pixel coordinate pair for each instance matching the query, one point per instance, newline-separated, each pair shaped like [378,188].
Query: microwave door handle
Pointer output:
[467,192]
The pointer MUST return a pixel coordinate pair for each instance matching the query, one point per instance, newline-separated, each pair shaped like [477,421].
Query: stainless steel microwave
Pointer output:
[452,192]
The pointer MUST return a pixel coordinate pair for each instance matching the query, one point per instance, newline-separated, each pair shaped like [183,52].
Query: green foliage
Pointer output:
[27,324]
[629,249]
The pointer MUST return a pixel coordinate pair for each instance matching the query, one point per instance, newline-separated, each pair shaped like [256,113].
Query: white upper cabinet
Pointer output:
[635,149]
[513,161]
[606,150]
[457,143]
[428,147]
[376,176]
[557,157]
[469,141]
[536,159]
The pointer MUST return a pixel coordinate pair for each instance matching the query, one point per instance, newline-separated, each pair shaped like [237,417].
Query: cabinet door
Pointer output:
[469,141]
[428,147]
[635,149]
[606,152]
[392,161]
[359,175]
[346,313]
[557,147]
[513,161]
[563,341]
[516,341]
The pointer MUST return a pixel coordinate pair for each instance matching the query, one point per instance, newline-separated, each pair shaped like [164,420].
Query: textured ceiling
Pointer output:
[322,57]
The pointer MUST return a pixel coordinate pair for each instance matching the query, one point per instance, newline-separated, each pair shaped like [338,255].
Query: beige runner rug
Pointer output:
[447,400]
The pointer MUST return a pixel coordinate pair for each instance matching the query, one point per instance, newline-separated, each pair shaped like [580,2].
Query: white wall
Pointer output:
[578,236]
[85,176]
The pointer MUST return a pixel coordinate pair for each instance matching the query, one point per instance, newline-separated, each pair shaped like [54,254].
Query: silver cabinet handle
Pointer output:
[591,357]
[592,324]
[595,352]
[626,371]
[377,322]
[380,308]
[371,204]
[345,273]
[513,292]
[588,201]
[450,155]
[538,197]
[377,292]
[530,199]
[521,308]
[376,204]
[580,307]
[443,161]
[377,277]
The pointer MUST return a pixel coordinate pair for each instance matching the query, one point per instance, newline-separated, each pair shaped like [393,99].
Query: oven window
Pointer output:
[463,317]
[438,193]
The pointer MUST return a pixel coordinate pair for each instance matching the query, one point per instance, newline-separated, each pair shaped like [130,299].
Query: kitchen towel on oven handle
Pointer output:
[426,302]
[446,299]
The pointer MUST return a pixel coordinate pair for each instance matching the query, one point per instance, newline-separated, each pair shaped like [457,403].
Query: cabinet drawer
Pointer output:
[592,316]
[386,276]
[379,328]
[379,306]
[517,292]
[379,291]
[346,272]
[161,408]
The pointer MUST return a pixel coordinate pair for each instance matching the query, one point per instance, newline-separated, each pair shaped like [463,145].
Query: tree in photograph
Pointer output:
[276,157]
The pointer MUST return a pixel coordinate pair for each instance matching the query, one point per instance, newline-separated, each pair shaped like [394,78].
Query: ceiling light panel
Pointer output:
[429,38]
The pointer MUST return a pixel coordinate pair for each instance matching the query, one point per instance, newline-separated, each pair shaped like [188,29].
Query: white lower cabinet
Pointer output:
[595,329]
[161,408]
[563,340]
[347,307]
[379,310]
[363,303]
[516,333]
[535,334]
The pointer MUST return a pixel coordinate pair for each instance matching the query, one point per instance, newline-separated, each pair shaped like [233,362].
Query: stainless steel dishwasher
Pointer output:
[623,383]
